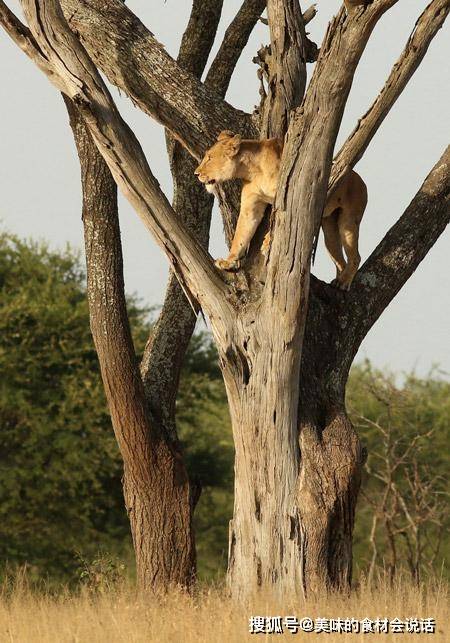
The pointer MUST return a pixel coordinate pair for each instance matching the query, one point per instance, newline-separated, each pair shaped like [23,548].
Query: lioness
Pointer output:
[257,163]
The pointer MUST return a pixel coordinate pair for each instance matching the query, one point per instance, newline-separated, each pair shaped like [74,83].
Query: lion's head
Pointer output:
[219,163]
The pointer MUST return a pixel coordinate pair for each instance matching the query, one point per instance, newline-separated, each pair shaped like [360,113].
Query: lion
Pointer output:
[257,164]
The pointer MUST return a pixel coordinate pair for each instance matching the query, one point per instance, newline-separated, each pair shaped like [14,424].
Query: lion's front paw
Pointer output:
[342,283]
[227,264]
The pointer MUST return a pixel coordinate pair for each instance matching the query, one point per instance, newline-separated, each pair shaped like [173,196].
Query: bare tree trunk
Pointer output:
[329,483]
[331,453]
[286,341]
[295,498]
[264,538]
[156,486]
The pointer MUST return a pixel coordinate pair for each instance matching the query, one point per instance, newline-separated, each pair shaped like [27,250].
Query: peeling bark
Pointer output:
[286,66]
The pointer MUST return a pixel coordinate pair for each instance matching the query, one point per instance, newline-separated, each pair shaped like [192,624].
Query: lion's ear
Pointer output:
[234,144]
[225,134]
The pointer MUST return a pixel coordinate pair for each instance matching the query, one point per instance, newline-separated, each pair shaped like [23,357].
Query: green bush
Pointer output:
[60,470]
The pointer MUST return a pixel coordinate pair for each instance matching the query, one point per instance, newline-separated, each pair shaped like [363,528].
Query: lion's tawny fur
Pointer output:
[257,164]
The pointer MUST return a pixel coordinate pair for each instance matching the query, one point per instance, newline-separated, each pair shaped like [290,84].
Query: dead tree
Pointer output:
[410,506]
[286,341]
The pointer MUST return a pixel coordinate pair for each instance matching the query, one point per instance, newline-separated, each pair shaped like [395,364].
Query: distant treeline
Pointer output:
[61,502]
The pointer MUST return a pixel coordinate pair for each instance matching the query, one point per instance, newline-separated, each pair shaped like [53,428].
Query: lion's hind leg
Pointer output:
[333,242]
[348,225]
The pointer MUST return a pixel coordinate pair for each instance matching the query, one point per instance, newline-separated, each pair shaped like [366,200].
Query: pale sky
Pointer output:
[40,185]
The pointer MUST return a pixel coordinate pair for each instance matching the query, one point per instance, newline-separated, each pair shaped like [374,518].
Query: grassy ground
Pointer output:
[121,616]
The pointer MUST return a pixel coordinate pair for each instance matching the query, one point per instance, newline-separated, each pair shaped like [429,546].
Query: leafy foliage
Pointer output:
[60,487]
[403,518]
[60,470]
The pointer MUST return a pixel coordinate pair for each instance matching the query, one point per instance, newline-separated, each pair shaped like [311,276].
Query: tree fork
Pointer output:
[281,522]
[269,352]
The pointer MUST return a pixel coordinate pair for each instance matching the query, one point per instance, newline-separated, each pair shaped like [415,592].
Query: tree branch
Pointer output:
[424,31]
[236,37]
[398,255]
[23,38]
[199,35]
[169,339]
[119,147]
[309,14]
[286,66]
[304,175]
[109,324]
[133,60]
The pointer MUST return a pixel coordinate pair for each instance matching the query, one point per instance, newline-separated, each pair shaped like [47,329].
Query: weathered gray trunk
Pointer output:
[264,536]
[298,461]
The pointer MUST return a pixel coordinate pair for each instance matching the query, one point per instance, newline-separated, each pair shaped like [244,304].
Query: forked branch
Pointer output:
[236,37]
[424,31]
[199,35]
[77,76]
[132,59]
[23,38]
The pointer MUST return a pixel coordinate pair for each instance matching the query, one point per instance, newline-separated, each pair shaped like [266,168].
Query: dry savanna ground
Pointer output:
[120,615]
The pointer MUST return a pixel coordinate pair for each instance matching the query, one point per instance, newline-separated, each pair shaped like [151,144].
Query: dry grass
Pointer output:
[121,616]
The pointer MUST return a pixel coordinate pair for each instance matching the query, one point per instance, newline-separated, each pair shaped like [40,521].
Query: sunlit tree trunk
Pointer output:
[158,496]
[286,341]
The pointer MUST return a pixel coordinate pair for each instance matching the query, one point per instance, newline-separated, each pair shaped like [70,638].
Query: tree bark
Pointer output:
[286,66]
[285,340]
[331,453]
[168,341]
[156,486]
[119,43]
[265,547]
[236,37]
